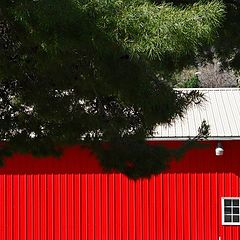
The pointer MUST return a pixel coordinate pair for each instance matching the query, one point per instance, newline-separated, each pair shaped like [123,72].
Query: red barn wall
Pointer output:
[71,198]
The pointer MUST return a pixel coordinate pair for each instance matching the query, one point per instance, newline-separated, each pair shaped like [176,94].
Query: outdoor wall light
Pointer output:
[219,149]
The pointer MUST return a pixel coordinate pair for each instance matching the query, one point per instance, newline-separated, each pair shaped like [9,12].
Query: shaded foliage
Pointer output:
[89,72]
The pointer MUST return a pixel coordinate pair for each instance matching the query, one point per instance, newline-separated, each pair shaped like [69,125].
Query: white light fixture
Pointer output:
[219,149]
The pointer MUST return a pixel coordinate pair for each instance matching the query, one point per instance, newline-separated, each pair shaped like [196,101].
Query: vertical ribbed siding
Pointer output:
[170,206]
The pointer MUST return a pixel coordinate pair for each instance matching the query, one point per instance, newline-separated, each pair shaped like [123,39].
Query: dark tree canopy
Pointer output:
[90,71]
[227,45]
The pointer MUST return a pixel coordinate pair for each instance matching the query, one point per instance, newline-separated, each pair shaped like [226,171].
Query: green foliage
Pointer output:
[226,45]
[77,71]
[151,30]
[192,82]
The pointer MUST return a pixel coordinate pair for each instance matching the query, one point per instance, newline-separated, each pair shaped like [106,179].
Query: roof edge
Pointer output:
[216,138]
[208,89]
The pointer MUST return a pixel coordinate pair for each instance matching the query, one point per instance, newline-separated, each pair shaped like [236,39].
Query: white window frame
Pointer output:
[230,223]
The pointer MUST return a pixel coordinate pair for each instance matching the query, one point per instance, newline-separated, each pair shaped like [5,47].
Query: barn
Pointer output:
[196,198]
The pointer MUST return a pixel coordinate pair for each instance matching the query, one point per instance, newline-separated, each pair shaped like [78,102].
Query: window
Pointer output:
[231,211]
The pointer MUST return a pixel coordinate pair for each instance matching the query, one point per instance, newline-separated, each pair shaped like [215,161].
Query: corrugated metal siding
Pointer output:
[221,110]
[182,206]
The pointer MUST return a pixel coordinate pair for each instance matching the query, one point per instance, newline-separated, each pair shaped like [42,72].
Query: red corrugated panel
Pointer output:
[235,193]
[171,206]
[152,209]
[118,207]
[180,207]
[159,207]
[2,206]
[139,210]
[125,208]
[194,210]
[166,206]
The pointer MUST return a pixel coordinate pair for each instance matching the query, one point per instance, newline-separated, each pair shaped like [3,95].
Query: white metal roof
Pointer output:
[221,110]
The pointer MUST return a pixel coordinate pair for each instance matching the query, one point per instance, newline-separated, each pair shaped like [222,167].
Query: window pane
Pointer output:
[235,218]
[235,210]
[227,210]
[235,202]
[227,218]
[227,202]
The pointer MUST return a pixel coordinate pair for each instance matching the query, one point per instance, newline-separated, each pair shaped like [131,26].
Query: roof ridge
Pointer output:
[208,89]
